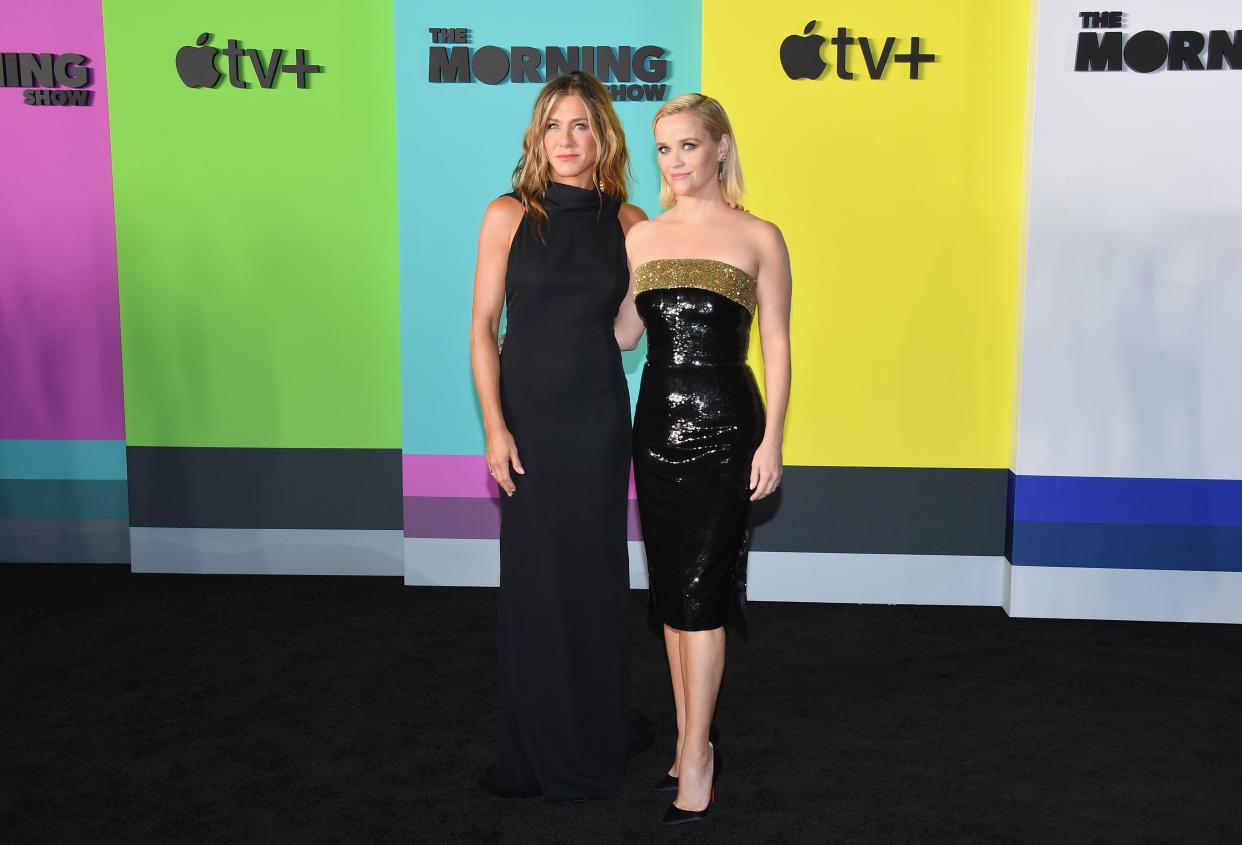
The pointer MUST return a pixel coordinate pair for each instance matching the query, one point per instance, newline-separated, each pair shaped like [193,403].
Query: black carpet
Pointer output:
[144,708]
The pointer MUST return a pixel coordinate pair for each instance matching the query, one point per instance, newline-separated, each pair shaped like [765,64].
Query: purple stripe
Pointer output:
[453,477]
[452,518]
[460,518]
[633,527]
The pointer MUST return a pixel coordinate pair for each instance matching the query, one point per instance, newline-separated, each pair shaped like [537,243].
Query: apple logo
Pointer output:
[800,55]
[197,65]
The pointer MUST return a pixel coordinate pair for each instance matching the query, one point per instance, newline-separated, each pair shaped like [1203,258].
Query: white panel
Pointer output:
[1130,341]
[1139,594]
[876,579]
[773,576]
[265,551]
[476,563]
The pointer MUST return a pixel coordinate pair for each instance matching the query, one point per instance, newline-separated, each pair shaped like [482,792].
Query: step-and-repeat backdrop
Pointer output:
[237,245]
[1129,428]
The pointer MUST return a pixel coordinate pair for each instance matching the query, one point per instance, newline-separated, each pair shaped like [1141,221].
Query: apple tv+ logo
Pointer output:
[197,65]
[1148,51]
[43,75]
[801,59]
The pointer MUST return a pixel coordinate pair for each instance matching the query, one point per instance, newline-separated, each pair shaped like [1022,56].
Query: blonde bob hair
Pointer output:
[612,162]
[716,122]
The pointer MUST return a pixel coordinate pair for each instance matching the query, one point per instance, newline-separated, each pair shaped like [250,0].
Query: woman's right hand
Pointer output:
[501,452]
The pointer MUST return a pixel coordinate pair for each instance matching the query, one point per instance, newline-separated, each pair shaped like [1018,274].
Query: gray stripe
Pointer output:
[437,562]
[64,541]
[335,489]
[885,510]
[266,551]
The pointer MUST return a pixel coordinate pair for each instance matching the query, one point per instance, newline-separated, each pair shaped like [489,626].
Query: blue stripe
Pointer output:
[66,460]
[57,499]
[1137,501]
[1209,548]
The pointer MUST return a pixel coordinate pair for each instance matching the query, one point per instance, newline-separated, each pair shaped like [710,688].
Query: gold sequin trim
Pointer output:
[703,273]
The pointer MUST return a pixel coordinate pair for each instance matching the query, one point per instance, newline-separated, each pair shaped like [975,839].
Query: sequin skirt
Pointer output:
[696,429]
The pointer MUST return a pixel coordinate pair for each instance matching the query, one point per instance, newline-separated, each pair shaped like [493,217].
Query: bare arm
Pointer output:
[775,288]
[500,222]
[628,326]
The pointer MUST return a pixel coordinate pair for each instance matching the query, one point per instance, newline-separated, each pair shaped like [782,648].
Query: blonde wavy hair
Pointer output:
[716,121]
[612,163]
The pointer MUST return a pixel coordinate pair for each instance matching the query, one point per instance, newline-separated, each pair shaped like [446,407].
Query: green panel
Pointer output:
[256,228]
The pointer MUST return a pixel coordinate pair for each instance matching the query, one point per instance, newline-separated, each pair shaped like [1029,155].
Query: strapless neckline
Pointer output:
[705,260]
[719,277]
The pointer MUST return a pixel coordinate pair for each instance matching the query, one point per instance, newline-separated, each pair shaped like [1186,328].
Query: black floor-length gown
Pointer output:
[698,423]
[564,569]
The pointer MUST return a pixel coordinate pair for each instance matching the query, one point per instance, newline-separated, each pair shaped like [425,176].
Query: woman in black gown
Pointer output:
[556,411]
[703,448]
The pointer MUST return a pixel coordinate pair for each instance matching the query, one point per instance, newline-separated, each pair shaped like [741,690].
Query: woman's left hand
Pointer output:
[765,470]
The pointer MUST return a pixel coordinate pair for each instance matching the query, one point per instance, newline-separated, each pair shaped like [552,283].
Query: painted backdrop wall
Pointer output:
[256,235]
[1015,294]
[1128,503]
[896,176]
[62,425]
[457,144]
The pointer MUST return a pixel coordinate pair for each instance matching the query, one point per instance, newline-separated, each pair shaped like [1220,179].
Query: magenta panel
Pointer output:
[60,345]
[454,477]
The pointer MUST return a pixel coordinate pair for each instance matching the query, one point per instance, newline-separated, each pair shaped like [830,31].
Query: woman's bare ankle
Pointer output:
[695,760]
[674,769]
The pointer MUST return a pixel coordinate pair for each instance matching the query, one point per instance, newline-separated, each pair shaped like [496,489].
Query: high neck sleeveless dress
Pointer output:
[564,569]
[698,422]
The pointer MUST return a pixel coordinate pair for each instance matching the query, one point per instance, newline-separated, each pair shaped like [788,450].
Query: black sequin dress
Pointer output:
[564,635]
[698,422]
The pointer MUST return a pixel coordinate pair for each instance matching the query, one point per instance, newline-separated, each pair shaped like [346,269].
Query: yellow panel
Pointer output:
[901,201]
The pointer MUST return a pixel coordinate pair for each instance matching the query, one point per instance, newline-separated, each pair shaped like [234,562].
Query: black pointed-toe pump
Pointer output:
[676,815]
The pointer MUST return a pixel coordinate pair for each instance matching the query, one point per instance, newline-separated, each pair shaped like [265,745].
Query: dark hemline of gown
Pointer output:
[698,423]
[563,609]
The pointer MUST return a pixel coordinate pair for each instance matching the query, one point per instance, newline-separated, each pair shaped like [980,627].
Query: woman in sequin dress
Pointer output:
[703,448]
[553,252]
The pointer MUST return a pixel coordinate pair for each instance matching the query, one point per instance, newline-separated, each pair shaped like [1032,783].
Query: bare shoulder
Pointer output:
[764,234]
[504,209]
[755,226]
[630,216]
[640,230]
[501,220]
